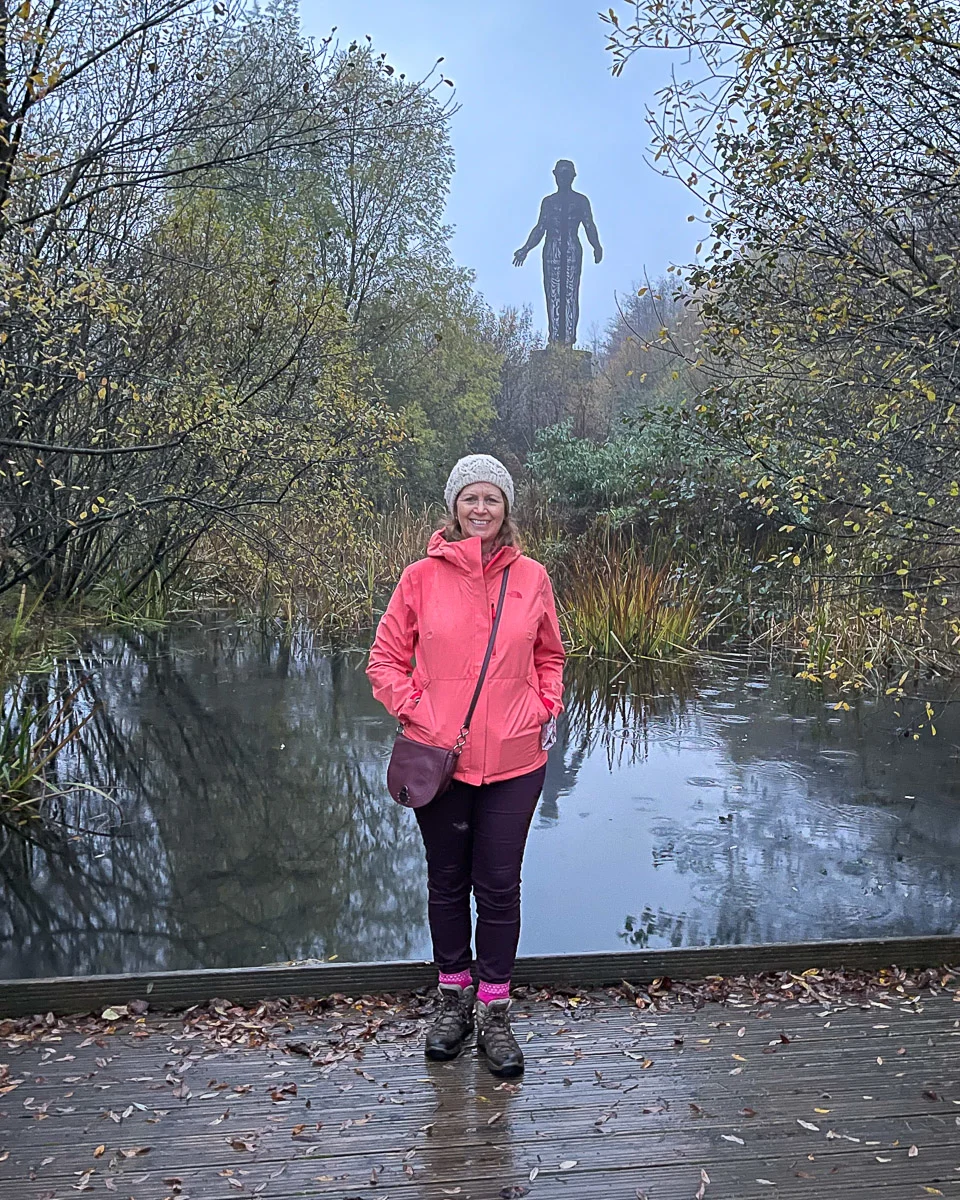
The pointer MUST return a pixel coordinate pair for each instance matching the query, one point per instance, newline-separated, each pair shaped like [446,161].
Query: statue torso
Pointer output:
[563,213]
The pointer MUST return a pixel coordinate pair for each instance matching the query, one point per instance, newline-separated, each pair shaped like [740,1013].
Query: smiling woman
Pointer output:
[459,614]
[481,510]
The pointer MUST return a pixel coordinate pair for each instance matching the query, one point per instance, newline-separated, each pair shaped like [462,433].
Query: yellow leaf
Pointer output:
[23,12]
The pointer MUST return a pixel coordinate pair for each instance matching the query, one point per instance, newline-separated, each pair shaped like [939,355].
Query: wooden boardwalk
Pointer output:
[846,1095]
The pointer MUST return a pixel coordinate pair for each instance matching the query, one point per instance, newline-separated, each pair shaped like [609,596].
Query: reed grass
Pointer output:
[334,575]
[615,604]
[850,642]
[32,637]
[112,603]
[32,734]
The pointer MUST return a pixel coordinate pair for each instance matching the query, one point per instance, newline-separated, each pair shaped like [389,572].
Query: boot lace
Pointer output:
[452,1015]
[497,1033]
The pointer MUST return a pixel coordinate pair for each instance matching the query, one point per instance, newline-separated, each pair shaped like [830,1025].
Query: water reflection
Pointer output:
[254,829]
[250,823]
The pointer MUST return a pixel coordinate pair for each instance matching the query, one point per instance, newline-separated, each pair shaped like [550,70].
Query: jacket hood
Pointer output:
[466,554]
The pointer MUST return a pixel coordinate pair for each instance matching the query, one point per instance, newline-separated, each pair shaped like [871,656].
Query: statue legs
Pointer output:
[562,262]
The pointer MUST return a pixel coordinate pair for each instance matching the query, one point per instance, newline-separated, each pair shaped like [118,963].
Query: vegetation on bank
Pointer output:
[238,357]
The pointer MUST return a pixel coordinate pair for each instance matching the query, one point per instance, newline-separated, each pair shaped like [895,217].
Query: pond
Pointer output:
[245,820]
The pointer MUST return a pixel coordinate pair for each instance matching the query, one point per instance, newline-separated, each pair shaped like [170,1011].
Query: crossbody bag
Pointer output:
[419,773]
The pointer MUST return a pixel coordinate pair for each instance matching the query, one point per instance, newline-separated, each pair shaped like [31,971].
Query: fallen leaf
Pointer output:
[732,1137]
[99,1151]
[809,1125]
[568,1164]
[912,1152]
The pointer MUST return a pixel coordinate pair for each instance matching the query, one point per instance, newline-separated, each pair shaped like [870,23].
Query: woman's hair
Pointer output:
[509,535]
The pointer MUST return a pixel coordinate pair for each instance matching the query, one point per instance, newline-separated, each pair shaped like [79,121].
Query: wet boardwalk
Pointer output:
[821,1093]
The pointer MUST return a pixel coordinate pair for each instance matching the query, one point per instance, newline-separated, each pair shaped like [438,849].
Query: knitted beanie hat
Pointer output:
[477,468]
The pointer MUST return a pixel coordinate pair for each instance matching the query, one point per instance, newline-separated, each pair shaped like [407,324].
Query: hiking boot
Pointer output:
[453,1023]
[495,1038]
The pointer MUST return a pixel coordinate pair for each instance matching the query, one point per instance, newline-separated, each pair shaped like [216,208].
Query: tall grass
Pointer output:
[32,734]
[615,603]
[32,637]
[334,576]
[849,639]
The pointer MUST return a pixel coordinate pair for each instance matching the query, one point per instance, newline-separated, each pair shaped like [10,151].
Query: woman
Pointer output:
[474,834]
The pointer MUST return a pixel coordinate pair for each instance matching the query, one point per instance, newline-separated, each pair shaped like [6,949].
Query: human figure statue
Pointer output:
[561,215]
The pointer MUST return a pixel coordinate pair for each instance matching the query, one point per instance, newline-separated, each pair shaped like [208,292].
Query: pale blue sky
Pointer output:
[534,85]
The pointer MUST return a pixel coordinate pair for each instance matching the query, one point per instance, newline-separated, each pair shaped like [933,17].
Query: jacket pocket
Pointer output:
[543,713]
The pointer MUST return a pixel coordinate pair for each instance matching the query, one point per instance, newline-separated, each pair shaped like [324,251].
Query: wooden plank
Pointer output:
[543,1123]
[177,989]
[442,1161]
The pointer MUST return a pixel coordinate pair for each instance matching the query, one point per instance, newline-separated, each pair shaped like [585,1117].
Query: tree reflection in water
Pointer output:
[255,823]
[251,823]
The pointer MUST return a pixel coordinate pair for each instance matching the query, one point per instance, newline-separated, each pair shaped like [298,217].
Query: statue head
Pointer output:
[564,172]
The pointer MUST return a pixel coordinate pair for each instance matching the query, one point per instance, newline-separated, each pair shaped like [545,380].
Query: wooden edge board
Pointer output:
[168,990]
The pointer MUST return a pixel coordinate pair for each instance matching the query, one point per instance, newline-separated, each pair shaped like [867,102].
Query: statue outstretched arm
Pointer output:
[535,238]
[590,230]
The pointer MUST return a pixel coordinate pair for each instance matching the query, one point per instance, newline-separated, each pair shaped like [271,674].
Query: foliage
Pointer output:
[204,310]
[441,373]
[615,604]
[641,365]
[822,142]
[339,580]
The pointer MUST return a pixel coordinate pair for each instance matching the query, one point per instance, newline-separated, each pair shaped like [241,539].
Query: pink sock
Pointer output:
[492,991]
[460,979]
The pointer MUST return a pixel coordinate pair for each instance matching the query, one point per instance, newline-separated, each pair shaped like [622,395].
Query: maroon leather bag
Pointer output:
[419,773]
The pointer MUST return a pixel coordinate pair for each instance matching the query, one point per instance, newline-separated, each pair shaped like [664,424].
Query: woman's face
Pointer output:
[481,509]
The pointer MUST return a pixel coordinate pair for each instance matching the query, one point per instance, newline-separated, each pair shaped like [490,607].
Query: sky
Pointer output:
[533,84]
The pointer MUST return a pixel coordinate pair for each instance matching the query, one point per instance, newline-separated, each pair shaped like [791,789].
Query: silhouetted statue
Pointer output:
[561,215]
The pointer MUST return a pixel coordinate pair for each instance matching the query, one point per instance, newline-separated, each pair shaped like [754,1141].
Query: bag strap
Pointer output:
[465,727]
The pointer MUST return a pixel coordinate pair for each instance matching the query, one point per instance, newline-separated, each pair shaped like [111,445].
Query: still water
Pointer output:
[247,821]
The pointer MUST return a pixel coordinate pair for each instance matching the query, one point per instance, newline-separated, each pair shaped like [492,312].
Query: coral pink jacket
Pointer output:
[441,614]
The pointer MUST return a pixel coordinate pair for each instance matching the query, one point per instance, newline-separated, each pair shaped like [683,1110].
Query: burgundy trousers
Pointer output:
[474,838]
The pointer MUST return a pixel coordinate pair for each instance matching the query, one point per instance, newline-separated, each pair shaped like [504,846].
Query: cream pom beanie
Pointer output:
[477,468]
